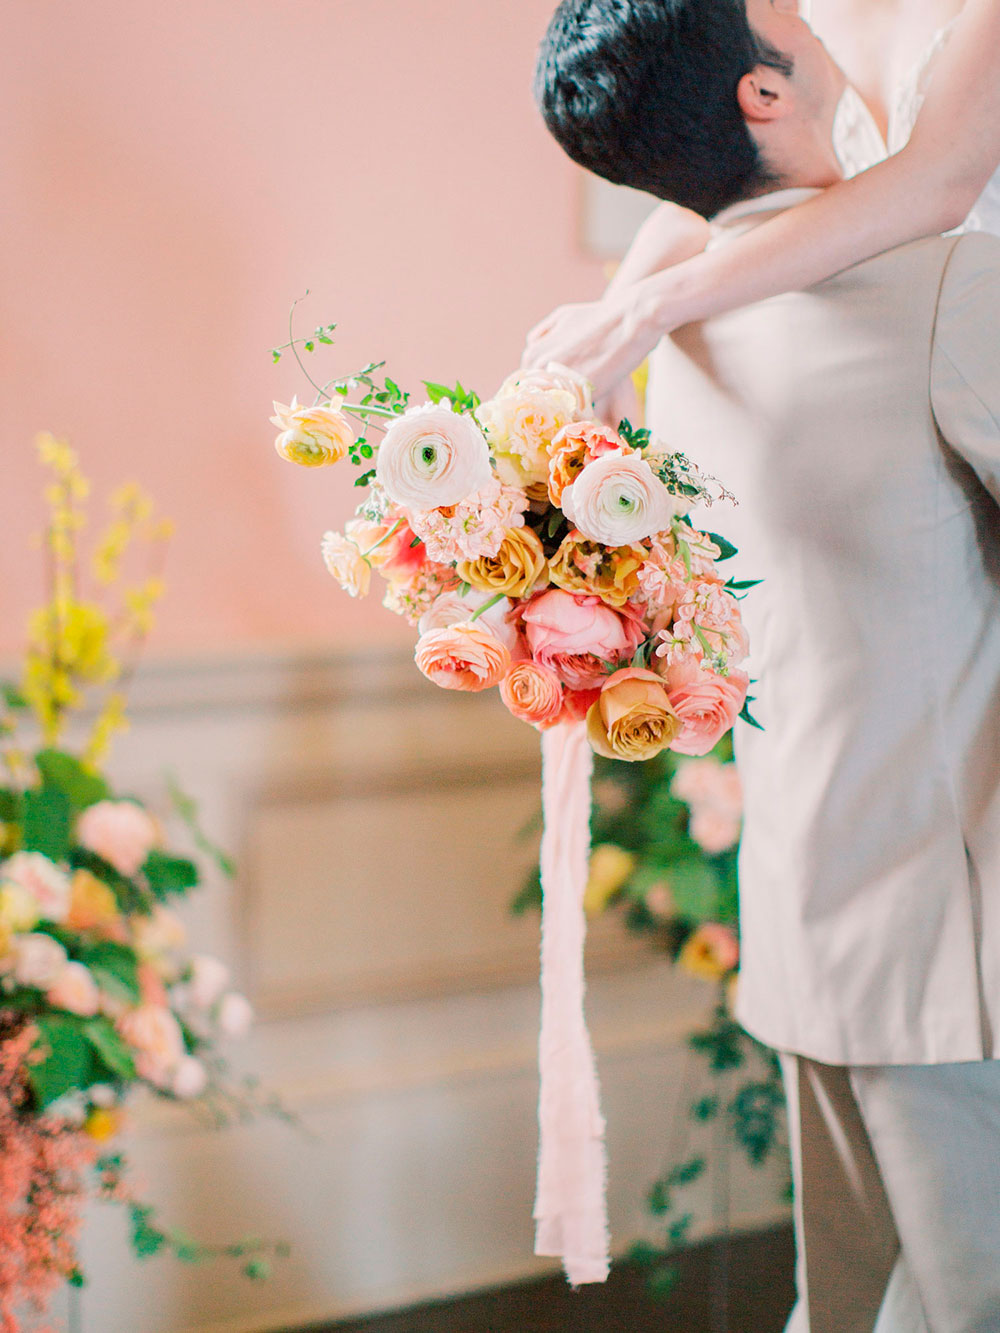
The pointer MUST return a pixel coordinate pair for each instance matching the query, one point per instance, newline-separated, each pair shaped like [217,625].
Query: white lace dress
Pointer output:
[859,144]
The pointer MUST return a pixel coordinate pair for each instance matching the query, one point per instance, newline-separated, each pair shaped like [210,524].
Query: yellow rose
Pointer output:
[632,719]
[102,1123]
[91,903]
[608,572]
[312,436]
[18,909]
[610,867]
[515,569]
[712,952]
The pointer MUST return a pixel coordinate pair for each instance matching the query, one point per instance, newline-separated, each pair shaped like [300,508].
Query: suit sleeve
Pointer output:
[965,358]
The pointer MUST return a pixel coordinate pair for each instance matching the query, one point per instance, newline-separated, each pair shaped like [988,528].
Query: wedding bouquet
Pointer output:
[537,550]
[540,551]
[100,993]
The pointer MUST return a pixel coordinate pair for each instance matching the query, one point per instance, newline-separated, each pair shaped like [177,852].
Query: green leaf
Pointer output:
[12,696]
[129,895]
[169,874]
[694,886]
[115,969]
[741,585]
[10,805]
[48,816]
[747,716]
[146,1238]
[67,1060]
[113,1051]
[187,808]
[727,549]
[67,774]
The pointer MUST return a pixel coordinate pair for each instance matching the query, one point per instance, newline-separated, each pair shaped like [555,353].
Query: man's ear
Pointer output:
[763,95]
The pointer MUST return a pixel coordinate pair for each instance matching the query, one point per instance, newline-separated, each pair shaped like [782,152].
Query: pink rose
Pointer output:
[713,831]
[75,990]
[462,657]
[533,693]
[711,952]
[575,635]
[120,832]
[706,703]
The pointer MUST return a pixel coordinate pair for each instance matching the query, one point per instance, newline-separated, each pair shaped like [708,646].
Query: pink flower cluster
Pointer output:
[712,790]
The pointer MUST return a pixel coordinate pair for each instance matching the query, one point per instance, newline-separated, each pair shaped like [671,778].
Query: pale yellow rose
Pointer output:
[18,909]
[348,566]
[515,569]
[312,436]
[632,719]
[610,867]
[583,566]
[91,903]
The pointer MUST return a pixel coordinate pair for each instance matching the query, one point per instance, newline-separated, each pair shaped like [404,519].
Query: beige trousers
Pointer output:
[897,1197]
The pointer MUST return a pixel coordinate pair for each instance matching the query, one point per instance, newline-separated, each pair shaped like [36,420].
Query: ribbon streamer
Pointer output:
[570,1205]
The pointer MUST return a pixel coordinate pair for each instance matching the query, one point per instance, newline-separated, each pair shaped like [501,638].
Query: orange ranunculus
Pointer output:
[574,447]
[462,657]
[533,693]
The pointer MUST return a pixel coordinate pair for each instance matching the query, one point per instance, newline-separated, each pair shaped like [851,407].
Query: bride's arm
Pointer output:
[927,187]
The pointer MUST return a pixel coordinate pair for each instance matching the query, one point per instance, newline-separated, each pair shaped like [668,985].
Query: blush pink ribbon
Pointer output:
[571,1219]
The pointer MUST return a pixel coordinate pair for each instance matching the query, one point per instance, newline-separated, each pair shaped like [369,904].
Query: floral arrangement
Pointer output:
[537,550]
[540,551]
[99,991]
[666,838]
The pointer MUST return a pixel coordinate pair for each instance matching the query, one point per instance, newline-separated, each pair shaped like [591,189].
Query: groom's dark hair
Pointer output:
[643,93]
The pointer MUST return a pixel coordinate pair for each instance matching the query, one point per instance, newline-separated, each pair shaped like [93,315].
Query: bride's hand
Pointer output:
[604,340]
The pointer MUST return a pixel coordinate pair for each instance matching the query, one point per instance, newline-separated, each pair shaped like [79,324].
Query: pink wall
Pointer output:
[176,173]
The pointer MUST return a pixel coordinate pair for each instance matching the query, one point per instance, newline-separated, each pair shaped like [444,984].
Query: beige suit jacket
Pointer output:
[858,424]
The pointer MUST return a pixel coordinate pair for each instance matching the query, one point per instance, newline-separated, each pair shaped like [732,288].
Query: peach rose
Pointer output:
[711,952]
[432,457]
[75,990]
[611,573]
[554,376]
[533,693]
[120,832]
[618,499]
[157,1040]
[576,635]
[42,879]
[454,608]
[312,436]
[462,657]
[351,569]
[515,569]
[632,719]
[574,447]
[706,703]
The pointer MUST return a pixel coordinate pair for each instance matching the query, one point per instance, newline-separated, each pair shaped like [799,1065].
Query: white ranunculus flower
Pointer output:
[431,457]
[451,608]
[190,1078]
[618,499]
[209,978]
[234,1015]
[38,960]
